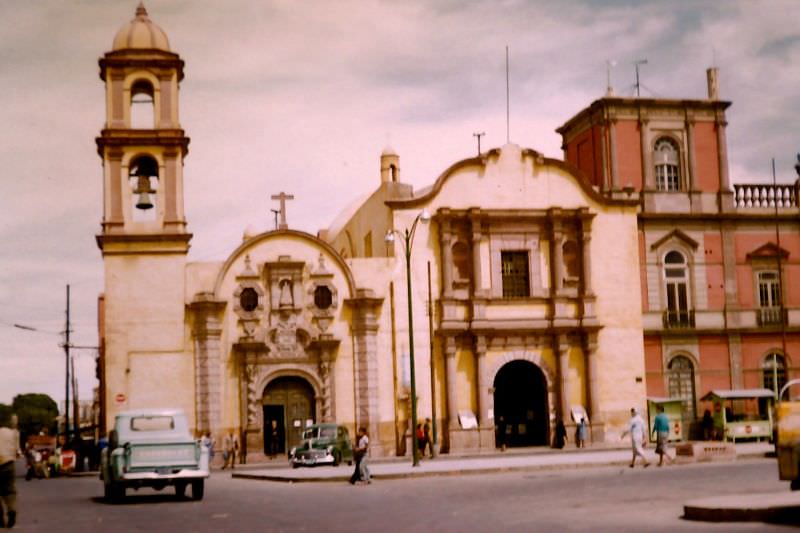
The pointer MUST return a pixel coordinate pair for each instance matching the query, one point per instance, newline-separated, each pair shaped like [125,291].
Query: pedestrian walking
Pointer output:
[661,429]
[581,432]
[638,435]
[243,448]
[9,451]
[426,435]
[208,442]
[361,470]
[420,435]
[230,445]
[561,435]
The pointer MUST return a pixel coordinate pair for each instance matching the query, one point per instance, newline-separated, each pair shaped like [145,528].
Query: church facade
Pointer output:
[530,286]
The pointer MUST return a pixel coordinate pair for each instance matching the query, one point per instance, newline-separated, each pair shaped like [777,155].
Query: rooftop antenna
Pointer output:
[478,135]
[610,63]
[508,112]
[636,65]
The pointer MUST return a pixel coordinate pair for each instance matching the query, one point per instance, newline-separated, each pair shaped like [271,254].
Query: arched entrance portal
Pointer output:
[520,405]
[289,401]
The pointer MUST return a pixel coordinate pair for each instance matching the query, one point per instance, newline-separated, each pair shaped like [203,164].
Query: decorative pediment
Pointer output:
[769,250]
[675,235]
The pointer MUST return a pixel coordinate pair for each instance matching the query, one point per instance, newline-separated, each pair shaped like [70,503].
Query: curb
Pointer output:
[780,507]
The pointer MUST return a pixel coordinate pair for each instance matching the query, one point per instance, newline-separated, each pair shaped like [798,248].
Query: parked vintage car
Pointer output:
[323,444]
[153,448]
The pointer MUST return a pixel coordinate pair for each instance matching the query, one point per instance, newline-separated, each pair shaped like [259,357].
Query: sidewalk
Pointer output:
[516,460]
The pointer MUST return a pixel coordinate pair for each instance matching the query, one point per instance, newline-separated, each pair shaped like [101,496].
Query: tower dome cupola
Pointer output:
[141,33]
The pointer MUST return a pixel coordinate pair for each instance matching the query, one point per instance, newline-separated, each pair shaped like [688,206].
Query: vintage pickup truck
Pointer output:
[787,444]
[153,448]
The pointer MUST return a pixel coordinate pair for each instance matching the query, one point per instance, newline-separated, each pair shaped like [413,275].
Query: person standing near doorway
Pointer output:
[228,452]
[274,440]
[661,429]
[638,435]
[581,432]
[426,435]
[9,451]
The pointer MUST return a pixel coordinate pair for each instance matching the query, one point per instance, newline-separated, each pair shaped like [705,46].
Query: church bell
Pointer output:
[143,190]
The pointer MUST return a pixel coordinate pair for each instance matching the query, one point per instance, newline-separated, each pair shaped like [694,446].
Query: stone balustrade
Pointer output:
[766,195]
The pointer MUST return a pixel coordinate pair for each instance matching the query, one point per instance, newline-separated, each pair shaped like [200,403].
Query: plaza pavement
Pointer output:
[489,462]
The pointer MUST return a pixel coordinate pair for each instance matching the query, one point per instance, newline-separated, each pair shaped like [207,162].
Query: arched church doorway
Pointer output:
[520,405]
[289,402]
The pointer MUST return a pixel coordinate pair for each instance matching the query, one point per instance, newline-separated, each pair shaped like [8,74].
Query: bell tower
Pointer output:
[143,240]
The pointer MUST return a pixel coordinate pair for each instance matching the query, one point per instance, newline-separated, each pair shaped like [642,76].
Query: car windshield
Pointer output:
[320,433]
[152,423]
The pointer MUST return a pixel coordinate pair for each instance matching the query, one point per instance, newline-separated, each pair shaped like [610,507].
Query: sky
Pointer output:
[302,97]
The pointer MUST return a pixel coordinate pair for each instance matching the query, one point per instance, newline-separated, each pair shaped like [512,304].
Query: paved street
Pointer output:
[589,498]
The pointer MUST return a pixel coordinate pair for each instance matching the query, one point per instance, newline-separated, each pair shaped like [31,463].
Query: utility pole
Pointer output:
[478,135]
[66,378]
[433,361]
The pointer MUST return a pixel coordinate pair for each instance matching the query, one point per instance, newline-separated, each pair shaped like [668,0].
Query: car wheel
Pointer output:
[113,492]
[337,457]
[180,490]
[197,489]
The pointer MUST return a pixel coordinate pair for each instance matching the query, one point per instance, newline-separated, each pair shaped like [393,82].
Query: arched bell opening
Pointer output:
[143,178]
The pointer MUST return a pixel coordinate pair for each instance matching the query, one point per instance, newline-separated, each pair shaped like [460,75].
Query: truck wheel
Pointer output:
[197,489]
[180,490]
[795,484]
[337,457]
[113,492]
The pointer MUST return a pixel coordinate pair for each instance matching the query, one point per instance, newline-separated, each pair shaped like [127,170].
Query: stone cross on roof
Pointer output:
[283,197]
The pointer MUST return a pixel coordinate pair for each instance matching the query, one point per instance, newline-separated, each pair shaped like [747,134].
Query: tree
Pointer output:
[5,414]
[36,412]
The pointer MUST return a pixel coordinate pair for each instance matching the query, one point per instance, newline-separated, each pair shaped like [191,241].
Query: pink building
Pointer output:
[720,262]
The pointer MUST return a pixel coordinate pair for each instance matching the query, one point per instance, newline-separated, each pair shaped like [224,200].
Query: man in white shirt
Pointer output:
[638,435]
[9,451]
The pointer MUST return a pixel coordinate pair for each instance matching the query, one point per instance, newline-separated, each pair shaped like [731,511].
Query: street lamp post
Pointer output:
[408,238]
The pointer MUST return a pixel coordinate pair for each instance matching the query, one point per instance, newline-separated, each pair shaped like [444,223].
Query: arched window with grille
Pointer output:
[666,158]
[676,286]
[680,384]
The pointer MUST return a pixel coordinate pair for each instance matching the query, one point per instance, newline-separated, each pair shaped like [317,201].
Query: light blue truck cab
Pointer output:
[153,448]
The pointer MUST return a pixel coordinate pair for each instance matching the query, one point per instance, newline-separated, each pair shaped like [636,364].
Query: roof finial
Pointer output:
[140,10]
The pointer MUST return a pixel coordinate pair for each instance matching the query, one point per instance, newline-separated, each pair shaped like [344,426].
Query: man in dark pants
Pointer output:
[359,453]
[9,451]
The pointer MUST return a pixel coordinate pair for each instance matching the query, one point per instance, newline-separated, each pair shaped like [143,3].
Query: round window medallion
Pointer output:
[248,299]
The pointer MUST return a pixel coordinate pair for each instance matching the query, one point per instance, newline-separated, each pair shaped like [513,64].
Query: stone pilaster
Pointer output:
[561,347]
[691,177]
[592,380]
[483,383]
[477,235]
[207,330]
[364,327]
[722,153]
[612,141]
[447,258]
[556,252]
[648,177]
[586,253]
[451,371]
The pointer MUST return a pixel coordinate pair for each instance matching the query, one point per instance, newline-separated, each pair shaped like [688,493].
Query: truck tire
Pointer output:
[113,492]
[337,457]
[180,489]
[197,489]
[795,484]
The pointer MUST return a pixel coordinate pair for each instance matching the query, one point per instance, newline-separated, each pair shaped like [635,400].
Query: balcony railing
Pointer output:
[763,195]
[674,319]
[769,316]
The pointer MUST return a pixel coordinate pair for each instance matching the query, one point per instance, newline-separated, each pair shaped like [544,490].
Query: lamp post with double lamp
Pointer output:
[408,238]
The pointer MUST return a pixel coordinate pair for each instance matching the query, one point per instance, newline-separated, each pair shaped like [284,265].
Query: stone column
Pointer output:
[722,151]
[648,178]
[116,179]
[612,140]
[690,179]
[592,381]
[207,330]
[364,328]
[451,371]
[117,100]
[561,348]
[447,258]
[586,255]
[603,154]
[483,385]
[556,255]
[165,100]
[170,189]
[476,253]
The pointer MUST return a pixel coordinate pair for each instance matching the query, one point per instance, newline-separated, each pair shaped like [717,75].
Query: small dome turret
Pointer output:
[141,33]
